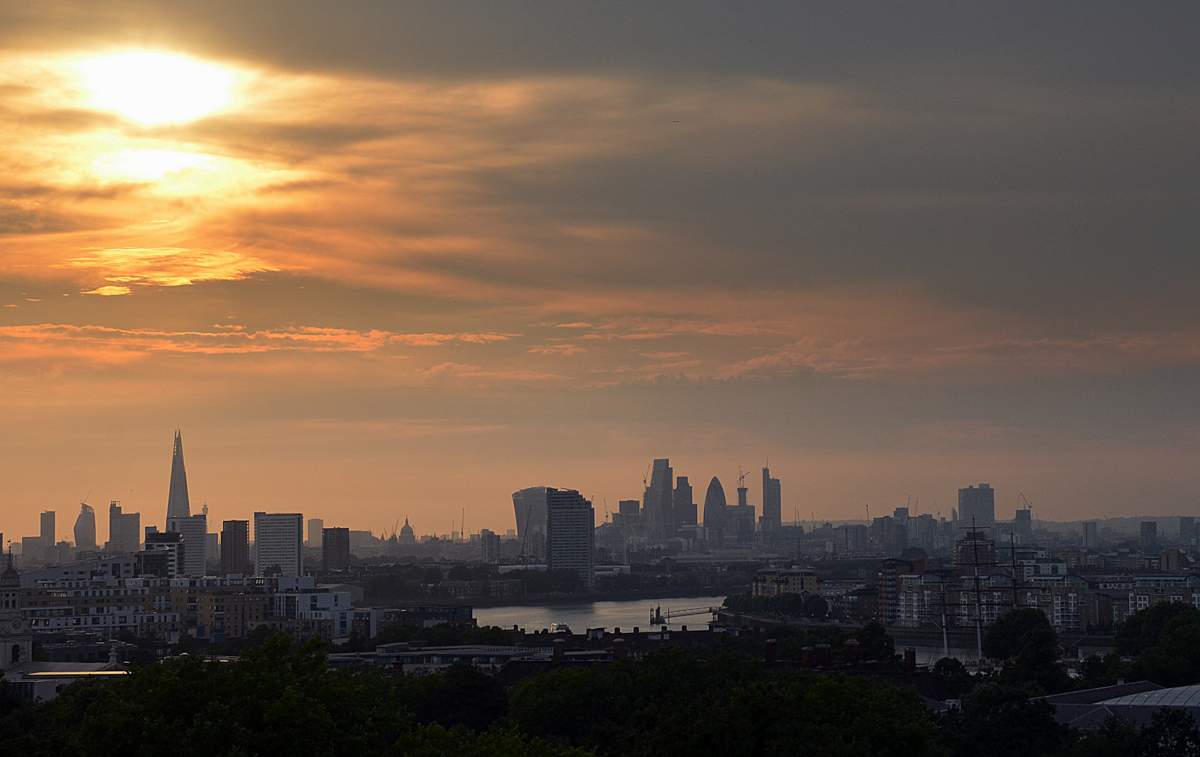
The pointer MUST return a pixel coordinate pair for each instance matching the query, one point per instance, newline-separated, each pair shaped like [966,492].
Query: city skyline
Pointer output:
[661,486]
[390,261]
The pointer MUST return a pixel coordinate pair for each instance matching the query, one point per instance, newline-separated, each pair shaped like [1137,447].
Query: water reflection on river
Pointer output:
[583,615]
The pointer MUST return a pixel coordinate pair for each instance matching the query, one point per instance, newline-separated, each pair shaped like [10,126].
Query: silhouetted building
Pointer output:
[1091,534]
[975,549]
[629,514]
[316,528]
[570,528]
[656,504]
[1023,525]
[170,544]
[47,532]
[977,506]
[1149,536]
[683,505]
[85,529]
[714,512]
[235,547]
[278,541]
[335,548]
[529,507]
[408,537]
[489,545]
[178,505]
[124,529]
[772,504]
[194,530]
[1187,530]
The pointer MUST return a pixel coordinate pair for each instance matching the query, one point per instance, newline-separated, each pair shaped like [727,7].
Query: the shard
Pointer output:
[177,500]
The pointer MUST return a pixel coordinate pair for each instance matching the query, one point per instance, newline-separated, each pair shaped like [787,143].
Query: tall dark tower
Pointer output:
[177,500]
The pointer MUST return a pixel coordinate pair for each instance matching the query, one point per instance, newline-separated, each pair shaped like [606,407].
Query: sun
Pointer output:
[154,88]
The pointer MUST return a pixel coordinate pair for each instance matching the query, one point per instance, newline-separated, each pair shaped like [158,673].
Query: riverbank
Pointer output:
[538,600]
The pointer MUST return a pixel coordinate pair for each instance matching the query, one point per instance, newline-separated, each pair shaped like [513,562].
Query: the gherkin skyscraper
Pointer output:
[177,500]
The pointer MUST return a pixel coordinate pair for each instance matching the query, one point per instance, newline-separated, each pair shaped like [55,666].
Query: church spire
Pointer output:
[178,505]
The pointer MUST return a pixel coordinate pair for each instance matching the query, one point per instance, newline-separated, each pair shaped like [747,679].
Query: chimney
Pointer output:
[560,647]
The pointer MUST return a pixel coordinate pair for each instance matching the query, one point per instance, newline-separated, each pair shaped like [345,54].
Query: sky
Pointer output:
[380,260]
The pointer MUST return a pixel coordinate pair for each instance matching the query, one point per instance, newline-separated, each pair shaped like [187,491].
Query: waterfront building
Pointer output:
[178,505]
[277,544]
[335,548]
[85,529]
[773,583]
[235,547]
[570,528]
[977,506]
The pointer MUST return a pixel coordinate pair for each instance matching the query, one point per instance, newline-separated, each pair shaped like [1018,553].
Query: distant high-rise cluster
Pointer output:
[977,506]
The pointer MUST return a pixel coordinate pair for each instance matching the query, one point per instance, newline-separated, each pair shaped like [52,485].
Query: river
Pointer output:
[581,616]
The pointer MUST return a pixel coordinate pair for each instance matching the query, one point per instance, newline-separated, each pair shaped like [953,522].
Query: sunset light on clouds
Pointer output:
[386,259]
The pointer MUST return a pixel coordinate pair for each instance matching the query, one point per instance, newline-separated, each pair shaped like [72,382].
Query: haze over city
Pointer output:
[406,260]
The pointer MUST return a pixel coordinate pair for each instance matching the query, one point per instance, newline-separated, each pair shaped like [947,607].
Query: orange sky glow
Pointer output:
[370,281]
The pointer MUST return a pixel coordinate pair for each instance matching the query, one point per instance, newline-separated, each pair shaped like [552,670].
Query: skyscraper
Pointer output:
[124,529]
[1091,534]
[772,504]
[683,505]
[85,529]
[714,512]
[977,506]
[570,530]
[489,545]
[316,528]
[48,532]
[1187,530]
[657,504]
[178,505]
[1023,525]
[235,547]
[529,507]
[1149,536]
[277,544]
[194,531]
[335,548]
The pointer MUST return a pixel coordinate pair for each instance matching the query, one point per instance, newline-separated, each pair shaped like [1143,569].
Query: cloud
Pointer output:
[52,340]
[563,350]
[109,291]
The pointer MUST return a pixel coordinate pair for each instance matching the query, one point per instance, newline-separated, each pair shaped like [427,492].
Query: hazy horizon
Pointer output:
[388,260]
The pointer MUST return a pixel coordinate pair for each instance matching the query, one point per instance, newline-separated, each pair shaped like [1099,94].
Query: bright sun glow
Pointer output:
[155,88]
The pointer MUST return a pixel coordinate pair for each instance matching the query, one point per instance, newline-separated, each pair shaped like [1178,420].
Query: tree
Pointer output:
[1171,733]
[1143,630]
[1174,658]
[1001,721]
[953,675]
[1026,642]
[875,643]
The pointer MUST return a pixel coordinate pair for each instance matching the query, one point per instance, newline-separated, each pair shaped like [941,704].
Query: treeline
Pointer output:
[283,699]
